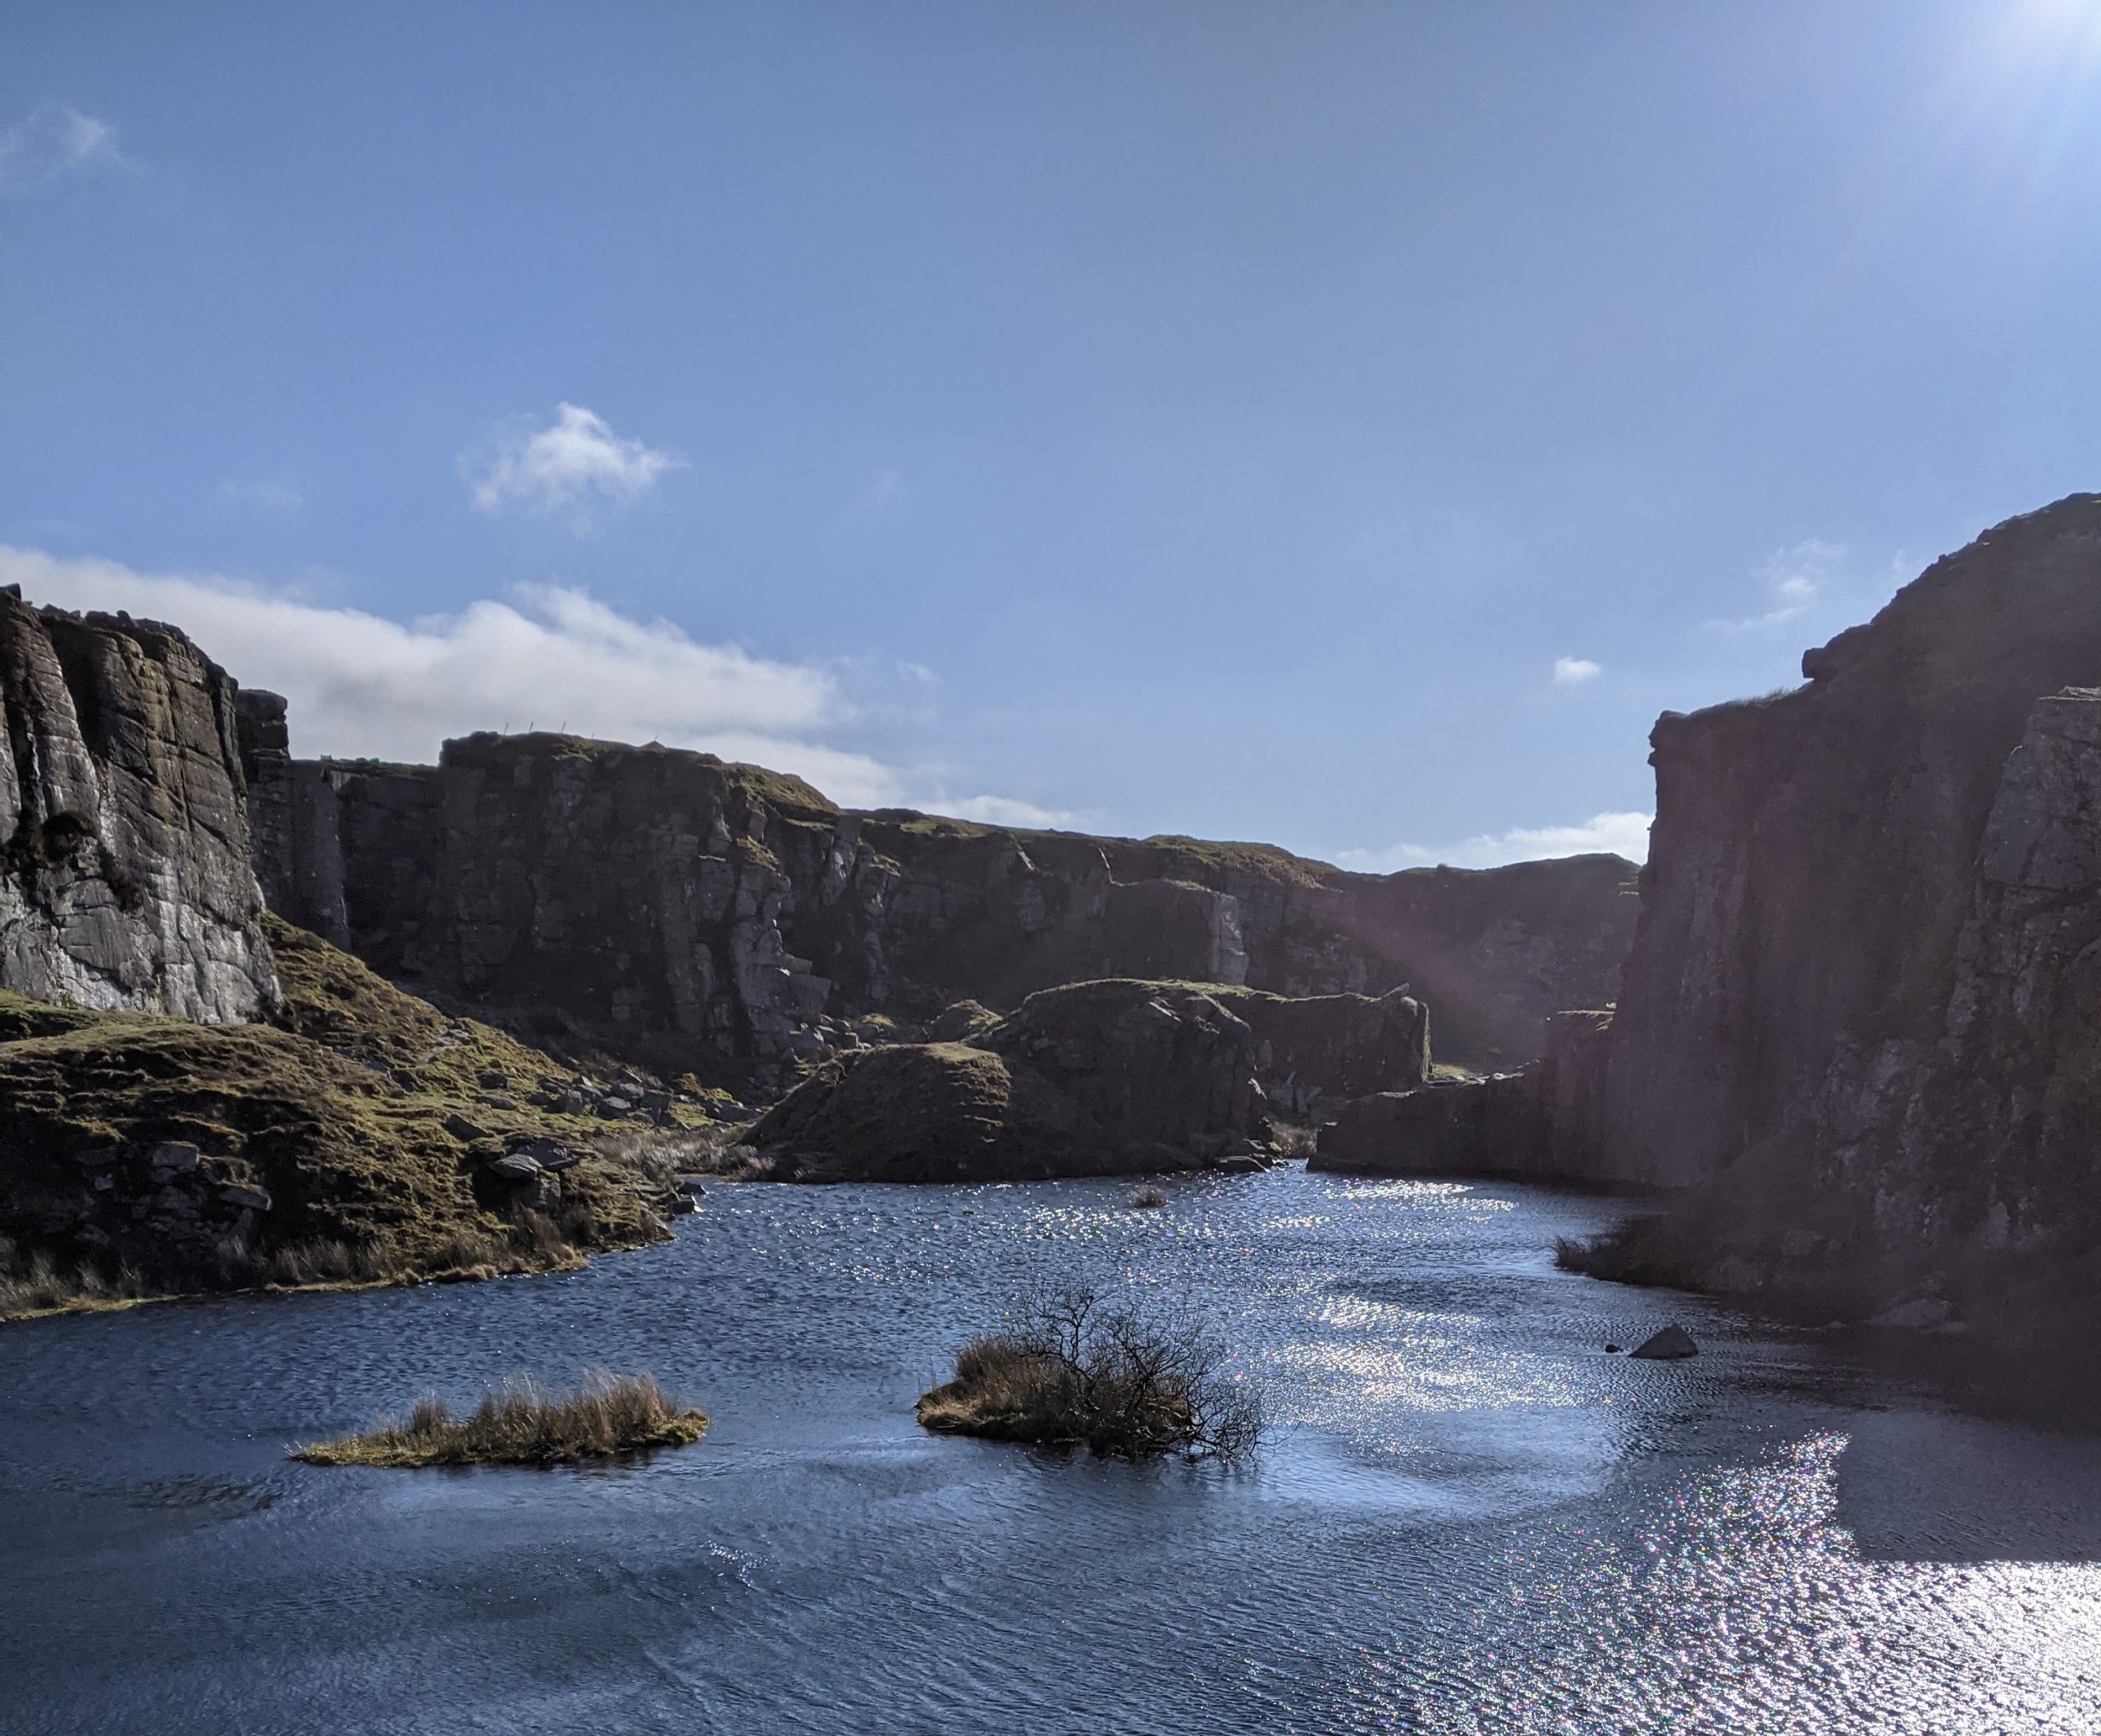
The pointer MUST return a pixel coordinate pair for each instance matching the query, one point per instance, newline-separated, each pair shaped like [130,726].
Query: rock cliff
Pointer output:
[125,880]
[696,913]
[1862,1016]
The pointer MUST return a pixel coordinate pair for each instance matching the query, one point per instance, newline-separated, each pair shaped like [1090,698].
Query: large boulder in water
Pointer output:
[1096,1079]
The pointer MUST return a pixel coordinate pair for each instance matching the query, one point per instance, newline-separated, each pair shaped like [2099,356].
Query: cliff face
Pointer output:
[127,880]
[668,903]
[1864,991]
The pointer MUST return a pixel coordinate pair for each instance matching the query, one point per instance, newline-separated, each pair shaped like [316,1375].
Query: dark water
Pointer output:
[1468,1518]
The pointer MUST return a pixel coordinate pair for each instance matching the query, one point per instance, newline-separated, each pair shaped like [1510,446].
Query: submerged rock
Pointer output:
[1671,1344]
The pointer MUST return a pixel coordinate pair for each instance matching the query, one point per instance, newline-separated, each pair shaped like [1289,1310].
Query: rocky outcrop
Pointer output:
[697,913]
[1859,1019]
[358,1134]
[1314,1051]
[126,878]
[1450,1127]
[1096,1078]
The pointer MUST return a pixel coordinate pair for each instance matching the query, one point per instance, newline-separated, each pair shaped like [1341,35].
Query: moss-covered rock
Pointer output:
[358,1138]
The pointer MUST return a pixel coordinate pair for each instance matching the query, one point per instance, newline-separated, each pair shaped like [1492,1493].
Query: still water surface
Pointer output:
[1467,1517]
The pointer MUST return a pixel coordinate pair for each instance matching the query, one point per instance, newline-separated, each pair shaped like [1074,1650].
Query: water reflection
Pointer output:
[1470,1519]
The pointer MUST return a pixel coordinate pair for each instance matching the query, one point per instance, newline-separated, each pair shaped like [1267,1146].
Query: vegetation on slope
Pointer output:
[352,1141]
[519,1424]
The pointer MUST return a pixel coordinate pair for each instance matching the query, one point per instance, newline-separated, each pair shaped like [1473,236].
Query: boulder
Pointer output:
[961,1021]
[1671,1344]
[1096,1078]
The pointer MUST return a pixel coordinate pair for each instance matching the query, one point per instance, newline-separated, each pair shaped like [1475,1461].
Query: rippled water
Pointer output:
[1467,1517]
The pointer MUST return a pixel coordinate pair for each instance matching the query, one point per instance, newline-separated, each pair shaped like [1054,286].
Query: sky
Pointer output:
[1346,426]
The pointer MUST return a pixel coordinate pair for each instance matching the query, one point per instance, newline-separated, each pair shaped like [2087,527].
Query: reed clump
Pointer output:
[1077,1369]
[520,1423]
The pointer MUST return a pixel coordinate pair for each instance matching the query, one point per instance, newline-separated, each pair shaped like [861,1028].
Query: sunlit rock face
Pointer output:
[1865,968]
[682,909]
[126,880]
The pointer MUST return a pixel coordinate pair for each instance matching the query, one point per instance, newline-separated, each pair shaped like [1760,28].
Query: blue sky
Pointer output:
[1342,425]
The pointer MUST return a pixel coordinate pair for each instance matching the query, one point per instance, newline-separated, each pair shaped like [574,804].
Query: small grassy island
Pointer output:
[1079,1371]
[519,1424]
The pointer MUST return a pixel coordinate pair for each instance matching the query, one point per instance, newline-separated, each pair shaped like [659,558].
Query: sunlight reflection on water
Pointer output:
[1468,1519]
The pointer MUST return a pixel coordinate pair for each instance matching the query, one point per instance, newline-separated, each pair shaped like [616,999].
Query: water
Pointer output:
[1467,1517]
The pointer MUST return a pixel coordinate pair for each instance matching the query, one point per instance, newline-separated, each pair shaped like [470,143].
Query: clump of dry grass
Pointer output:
[1077,1369]
[37,1284]
[520,1423]
[660,1155]
[1146,1198]
[1292,1141]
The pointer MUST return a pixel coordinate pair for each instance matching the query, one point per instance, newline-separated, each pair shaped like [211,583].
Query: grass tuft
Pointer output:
[519,1424]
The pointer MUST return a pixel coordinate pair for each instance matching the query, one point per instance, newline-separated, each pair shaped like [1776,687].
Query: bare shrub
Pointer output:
[1077,1368]
[1147,1198]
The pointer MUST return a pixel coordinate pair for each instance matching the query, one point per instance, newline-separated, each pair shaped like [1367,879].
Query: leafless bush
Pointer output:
[1077,1368]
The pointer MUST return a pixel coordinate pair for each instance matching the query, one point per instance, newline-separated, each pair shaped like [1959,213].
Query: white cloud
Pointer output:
[52,140]
[1002,810]
[552,657]
[1620,834]
[574,467]
[1572,671]
[262,491]
[1794,579]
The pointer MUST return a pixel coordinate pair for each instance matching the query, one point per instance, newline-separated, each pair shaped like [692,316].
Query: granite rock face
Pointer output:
[126,880]
[1106,1077]
[691,912]
[1859,1019]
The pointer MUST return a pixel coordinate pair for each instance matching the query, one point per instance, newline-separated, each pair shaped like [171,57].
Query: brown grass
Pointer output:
[519,1423]
[1079,1370]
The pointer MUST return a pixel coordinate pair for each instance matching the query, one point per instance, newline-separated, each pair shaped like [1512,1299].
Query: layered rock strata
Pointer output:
[126,877]
[691,912]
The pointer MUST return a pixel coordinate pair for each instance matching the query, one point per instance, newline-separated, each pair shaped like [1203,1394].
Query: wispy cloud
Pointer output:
[1794,579]
[1572,671]
[1002,810]
[52,141]
[1618,834]
[574,467]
